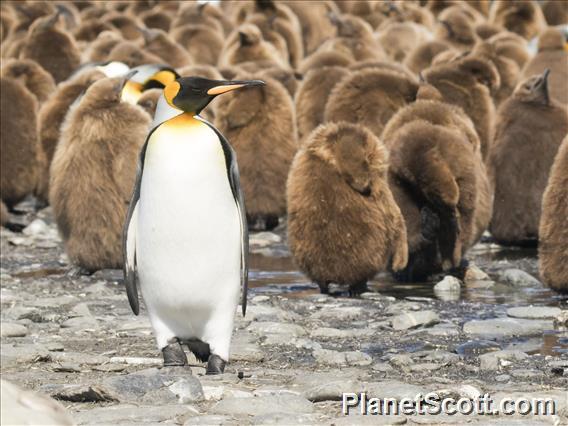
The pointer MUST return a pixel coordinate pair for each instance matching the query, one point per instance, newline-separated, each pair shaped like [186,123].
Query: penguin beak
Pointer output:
[228,86]
[543,80]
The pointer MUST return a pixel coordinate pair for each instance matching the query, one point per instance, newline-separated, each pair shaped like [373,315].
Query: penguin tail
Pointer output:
[199,348]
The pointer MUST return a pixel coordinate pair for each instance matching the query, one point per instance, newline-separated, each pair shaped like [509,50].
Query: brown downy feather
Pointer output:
[203,14]
[512,46]
[314,21]
[487,30]
[52,48]
[398,39]
[530,128]
[343,223]
[202,42]
[553,56]
[149,100]
[100,48]
[312,96]
[156,19]
[354,37]
[553,232]
[93,173]
[523,17]
[456,28]
[4,214]
[383,65]
[37,80]
[127,25]
[324,59]
[469,82]
[246,44]
[20,159]
[422,55]
[160,44]
[556,13]
[260,124]
[132,55]
[90,30]
[51,116]
[370,97]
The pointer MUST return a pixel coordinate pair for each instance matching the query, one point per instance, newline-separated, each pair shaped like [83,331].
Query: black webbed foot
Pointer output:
[215,365]
[174,356]
[357,289]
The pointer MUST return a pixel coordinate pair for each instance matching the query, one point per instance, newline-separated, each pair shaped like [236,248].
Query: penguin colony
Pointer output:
[391,135]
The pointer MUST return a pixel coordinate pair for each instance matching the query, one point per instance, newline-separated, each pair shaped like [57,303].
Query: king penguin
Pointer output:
[185,236]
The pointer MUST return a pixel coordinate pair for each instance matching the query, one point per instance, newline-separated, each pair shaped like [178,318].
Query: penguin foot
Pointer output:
[358,288]
[215,365]
[324,287]
[174,355]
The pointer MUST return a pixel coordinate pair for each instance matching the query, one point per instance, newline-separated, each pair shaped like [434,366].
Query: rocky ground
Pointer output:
[296,351]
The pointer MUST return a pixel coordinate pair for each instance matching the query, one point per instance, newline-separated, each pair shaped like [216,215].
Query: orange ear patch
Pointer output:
[171,91]
[165,77]
[131,92]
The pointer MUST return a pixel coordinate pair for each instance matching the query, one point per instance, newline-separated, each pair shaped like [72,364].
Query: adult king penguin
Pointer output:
[185,236]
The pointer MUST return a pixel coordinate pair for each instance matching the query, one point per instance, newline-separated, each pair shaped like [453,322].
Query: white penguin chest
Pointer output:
[188,223]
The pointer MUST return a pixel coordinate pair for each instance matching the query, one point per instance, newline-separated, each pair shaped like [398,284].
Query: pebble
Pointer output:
[519,278]
[263,405]
[136,360]
[506,327]
[8,329]
[534,312]
[82,323]
[265,327]
[409,320]
[330,357]
[332,390]
[448,284]
[336,333]
[473,273]
[494,360]
[285,419]
[474,348]
[345,313]
[67,368]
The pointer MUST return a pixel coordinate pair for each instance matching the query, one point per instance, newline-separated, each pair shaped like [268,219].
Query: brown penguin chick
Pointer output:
[456,28]
[398,39]
[30,11]
[555,12]
[486,30]
[93,173]
[523,17]
[100,48]
[312,96]
[420,57]
[204,14]
[344,225]
[385,65]
[157,19]
[324,59]
[354,37]
[508,69]
[553,232]
[314,21]
[20,161]
[271,35]
[127,25]
[7,22]
[37,80]
[90,30]
[468,82]
[4,214]
[51,116]
[132,55]
[370,97]
[403,12]
[201,41]
[261,126]
[287,76]
[149,100]
[52,48]
[159,43]
[246,44]
[530,128]
[551,55]
[512,46]
[433,177]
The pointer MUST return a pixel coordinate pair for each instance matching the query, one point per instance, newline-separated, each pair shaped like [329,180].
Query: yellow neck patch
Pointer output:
[171,91]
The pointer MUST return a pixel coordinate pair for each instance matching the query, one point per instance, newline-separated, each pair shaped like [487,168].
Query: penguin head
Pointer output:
[145,77]
[192,94]
[534,89]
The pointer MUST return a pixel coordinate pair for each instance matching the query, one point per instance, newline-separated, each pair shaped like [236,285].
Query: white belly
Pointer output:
[188,244]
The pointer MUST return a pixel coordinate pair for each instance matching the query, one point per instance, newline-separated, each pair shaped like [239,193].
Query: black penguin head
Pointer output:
[192,94]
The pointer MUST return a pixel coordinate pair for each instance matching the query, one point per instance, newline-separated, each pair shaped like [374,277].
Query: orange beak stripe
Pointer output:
[218,90]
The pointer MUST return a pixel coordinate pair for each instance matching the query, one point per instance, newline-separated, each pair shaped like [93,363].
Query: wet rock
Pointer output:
[443,330]
[506,327]
[257,406]
[401,307]
[109,368]
[263,328]
[442,357]
[401,361]
[475,348]
[533,312]
[21,407]
[8,329]
[84,393]
[244,349]
[448,284]
[263,239]
[519,278]
[130,414]
[530,345]
[495,360]
[502,378]
[330,357]
[344,313]
[409,320]
[460,391]
[473,273]
[156,385]
[79,358]
[526,374]
[55,347]
[382,367]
